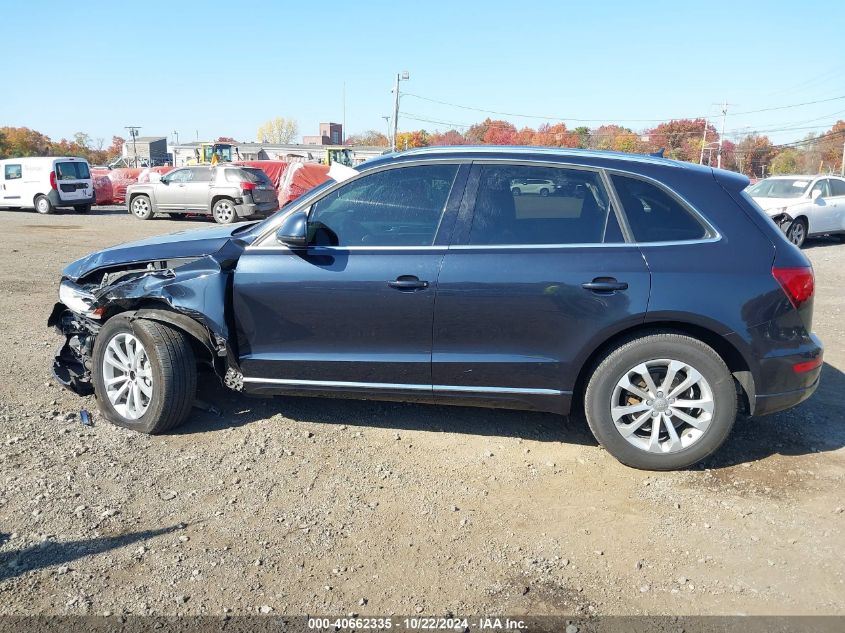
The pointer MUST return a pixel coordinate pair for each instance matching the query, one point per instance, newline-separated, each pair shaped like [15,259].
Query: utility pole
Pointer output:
[133,132]
[343,125]
[703,144]
[403,76]
[722,135]
[176,136]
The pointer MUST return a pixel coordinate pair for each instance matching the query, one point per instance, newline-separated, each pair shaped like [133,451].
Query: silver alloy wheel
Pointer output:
[141,207]
[43,205]
[796,233]
[662,405]
[127,376]
[224,211]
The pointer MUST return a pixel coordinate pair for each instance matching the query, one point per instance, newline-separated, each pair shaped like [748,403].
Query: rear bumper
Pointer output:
[58,201]
[782,386]
[772,403]
[251,208]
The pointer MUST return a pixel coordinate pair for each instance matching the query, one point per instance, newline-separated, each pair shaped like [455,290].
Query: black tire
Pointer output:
[174,374]
[141,207]
[544,192]
[797,232]
[224,211]
[600,392]
[82,208]
[43,205]
[516,191]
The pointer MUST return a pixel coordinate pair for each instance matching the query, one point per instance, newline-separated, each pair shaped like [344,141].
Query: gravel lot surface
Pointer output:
[335,506]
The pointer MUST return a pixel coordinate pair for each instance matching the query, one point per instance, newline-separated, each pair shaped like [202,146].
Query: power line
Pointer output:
[581,120]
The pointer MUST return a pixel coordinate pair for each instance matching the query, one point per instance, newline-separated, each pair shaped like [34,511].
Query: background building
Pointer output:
[330,134]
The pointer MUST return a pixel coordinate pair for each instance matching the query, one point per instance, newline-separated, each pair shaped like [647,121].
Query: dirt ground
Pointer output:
[335,506]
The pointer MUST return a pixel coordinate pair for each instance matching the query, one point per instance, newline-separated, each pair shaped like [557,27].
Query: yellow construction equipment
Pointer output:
[204,154]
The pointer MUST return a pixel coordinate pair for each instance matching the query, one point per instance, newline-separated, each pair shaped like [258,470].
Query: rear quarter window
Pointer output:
[654,215]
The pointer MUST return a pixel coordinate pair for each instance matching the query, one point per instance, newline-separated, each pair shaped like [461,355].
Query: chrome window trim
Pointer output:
[290,382]
[605,172]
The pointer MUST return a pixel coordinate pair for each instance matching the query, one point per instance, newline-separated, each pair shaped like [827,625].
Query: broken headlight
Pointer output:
[77,300]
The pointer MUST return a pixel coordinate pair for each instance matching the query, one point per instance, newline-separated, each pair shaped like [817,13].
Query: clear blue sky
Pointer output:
[222,68]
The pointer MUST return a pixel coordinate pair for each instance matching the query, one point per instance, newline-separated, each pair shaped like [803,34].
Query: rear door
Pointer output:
[353,311]
[530,284]
[12,183]
[73,180]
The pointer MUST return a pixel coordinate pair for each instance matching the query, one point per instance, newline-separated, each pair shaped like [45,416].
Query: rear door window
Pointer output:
[72,171]
[574,212]
[200,174]
[837,187]
[653,214]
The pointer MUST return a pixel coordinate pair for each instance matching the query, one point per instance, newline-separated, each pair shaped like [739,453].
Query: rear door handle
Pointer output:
[408,282]
[604,285]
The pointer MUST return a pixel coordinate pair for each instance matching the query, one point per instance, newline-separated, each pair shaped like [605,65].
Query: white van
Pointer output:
[46,182]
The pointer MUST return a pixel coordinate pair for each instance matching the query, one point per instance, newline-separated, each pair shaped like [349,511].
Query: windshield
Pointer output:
[780,188]
[72,171]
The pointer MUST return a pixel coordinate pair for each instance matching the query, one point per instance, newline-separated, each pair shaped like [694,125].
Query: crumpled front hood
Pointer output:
[772,204]
[188,243]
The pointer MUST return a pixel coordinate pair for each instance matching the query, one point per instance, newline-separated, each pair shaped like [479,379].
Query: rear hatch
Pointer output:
[261,186]
[73,179]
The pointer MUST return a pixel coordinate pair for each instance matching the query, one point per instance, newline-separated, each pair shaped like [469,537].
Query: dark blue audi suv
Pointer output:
[653,296]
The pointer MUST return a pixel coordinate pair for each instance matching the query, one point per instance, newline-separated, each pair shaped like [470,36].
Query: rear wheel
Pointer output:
[797,232]
[144,374]
[142,208]
[43,205]
[661,402]
[82,208]
[224,211]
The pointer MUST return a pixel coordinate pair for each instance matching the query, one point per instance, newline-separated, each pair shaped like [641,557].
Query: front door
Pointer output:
[529,283]
[352,311]
[170,191]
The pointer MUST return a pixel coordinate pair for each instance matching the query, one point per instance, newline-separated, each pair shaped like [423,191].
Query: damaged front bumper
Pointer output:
[73,362]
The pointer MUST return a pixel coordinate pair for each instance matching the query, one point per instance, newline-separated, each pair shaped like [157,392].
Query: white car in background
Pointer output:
[803,206]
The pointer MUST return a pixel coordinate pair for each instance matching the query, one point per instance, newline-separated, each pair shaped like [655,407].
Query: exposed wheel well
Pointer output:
[218,198]
[729,354]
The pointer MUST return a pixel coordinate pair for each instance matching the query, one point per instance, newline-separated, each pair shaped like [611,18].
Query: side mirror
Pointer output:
[293,231]
[816,194]
[163,180]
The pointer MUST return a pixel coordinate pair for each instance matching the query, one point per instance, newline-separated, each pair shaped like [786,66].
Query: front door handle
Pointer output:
[408,282]
[604,285]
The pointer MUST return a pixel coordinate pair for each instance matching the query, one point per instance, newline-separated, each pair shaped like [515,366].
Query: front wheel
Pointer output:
[141,207]
[516,191]
[797,232]
[544,192]
[224,211]
[145,375]
[661,402]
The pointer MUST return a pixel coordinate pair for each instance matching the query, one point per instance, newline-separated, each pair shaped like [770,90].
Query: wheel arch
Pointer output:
[217,198]
[736,361]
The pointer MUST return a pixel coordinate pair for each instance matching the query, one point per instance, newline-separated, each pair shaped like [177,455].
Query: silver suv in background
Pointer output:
[226,192]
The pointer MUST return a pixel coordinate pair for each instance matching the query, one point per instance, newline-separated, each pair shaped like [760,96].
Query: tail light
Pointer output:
[798,283]
[247,186]
[53,180]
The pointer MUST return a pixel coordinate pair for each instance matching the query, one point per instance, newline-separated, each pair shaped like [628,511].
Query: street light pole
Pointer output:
[403,76]
[386,118]
[133,132]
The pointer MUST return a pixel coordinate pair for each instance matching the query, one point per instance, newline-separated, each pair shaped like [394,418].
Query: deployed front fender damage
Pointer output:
[193,295]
